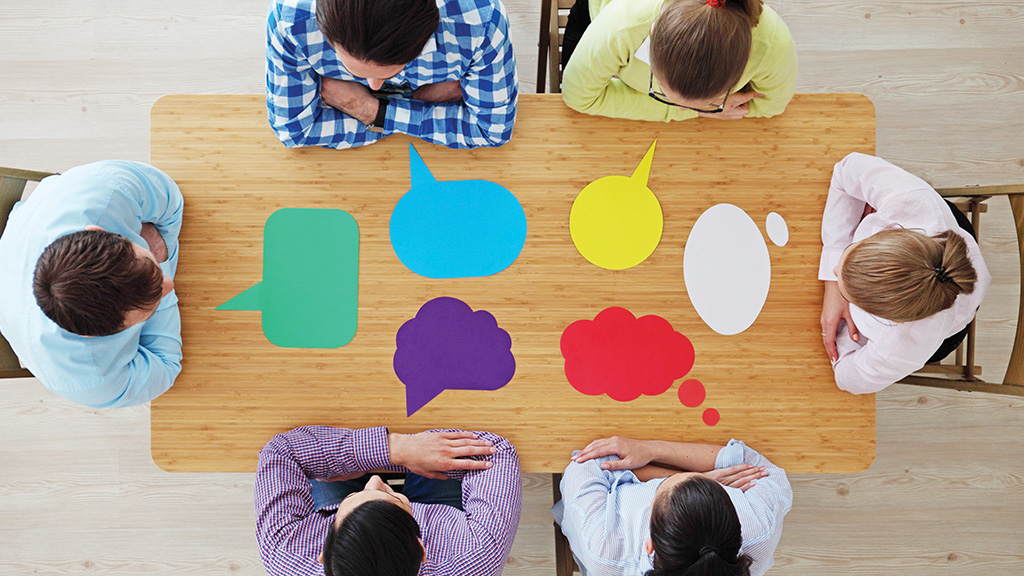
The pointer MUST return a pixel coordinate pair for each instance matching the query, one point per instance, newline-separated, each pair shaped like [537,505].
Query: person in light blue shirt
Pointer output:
[86,296]
[698,509]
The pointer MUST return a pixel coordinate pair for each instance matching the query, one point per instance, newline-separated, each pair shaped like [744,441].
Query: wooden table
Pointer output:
[772,383]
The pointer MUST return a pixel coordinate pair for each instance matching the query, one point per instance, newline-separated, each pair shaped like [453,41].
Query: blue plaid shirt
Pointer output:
[472,45]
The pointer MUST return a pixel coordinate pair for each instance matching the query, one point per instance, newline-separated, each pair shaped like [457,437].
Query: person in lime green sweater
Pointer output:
[677,59]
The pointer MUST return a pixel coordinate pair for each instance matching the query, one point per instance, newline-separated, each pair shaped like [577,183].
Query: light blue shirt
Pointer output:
[124,369]
[606,514]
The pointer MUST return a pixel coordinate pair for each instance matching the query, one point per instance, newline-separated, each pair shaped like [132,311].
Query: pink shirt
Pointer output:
[887,350]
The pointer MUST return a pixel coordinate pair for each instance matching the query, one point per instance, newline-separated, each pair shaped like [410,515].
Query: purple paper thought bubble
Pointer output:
[448,346]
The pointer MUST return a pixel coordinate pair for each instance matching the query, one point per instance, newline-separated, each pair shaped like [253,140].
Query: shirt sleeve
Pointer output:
[777,77]
[585,516]
[148,374]
[876,365]
[294,108]
[492,499]
[590,83]
[490,93]
[860,180]
[282,496]
[771,497]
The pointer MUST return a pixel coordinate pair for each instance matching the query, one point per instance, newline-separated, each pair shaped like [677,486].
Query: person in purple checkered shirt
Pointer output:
[344,73]
[319,512]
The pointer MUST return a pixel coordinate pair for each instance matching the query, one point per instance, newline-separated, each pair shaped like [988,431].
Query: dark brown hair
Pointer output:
[903,275]
[88,280]
[700,51]
[382,32]
[376,537]
[696,532]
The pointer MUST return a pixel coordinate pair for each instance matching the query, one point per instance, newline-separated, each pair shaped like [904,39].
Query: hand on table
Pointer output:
[835,308]
[632,453]
[742,476]
[450,91]
[152,237]
[431,454]
[737,105]
[352,98]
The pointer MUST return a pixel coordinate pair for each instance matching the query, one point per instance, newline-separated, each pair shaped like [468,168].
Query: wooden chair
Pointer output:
[564,563]
[553,16]
[963,373]
[12,186]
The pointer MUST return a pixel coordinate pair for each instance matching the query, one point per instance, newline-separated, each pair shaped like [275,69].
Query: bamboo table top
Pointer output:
[772,384]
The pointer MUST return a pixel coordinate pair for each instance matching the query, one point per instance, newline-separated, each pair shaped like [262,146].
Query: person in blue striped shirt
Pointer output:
[344,73]
[632,507]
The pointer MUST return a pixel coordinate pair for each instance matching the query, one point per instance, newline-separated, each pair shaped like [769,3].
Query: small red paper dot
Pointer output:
[692,393]
[711,416]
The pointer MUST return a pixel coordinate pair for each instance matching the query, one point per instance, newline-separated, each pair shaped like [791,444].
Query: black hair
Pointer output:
[382,32]
[377,538]
[696,532]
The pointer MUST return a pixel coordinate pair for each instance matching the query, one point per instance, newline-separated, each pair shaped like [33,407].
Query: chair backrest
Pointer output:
[554,14]
[1013,380]
[12,186]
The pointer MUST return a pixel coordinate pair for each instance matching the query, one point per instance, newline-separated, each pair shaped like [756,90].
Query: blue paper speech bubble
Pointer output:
[456,229]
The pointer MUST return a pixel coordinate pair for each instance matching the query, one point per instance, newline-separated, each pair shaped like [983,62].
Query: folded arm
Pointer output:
[485,114]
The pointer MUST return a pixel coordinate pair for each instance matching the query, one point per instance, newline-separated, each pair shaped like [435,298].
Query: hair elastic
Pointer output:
[940,275]
[715,3]
[708,549]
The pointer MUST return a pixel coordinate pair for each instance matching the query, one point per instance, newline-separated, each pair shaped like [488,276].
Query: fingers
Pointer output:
[467,451]
[596,449]
[617,465]
[458,435]
[744,97]
[850,325]
[467,464]
[828,337]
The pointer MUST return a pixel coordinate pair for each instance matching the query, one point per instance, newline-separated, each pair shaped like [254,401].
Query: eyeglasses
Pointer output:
[660,97]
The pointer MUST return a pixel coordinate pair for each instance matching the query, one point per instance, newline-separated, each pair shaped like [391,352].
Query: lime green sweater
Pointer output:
[605,78]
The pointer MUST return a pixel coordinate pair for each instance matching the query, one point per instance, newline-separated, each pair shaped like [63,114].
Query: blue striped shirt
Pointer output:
[471,45]
[606,514]
[474,542]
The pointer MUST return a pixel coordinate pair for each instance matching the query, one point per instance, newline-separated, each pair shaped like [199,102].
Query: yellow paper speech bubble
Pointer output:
[616,221]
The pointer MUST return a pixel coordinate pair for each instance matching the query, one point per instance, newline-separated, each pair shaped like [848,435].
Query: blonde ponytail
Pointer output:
[903,275]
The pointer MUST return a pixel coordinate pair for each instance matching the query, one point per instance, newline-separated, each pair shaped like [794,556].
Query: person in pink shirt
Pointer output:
[902,270]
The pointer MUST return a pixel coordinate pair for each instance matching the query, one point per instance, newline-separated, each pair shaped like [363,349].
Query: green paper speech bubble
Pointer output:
[309,292]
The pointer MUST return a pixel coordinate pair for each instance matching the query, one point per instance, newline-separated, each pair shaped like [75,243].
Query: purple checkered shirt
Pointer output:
[291,535]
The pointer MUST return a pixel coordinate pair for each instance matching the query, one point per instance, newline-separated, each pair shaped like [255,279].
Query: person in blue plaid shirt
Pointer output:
[344,73]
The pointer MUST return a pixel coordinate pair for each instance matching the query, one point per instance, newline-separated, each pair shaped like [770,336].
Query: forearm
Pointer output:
[493,504]
[684,455]
[653,471]
[615,99]
[451,124]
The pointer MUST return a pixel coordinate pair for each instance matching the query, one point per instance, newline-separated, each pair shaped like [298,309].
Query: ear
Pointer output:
[649,546]
[92,227]
[167,286]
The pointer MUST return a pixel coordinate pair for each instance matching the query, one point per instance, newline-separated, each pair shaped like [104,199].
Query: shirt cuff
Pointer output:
[399,116]
[370,448]
[829,260]
[730,455]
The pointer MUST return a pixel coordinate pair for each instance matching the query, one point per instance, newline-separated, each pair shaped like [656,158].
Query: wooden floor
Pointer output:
[79,492]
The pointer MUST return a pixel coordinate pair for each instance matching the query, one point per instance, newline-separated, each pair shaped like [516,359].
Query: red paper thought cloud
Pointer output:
[622,356]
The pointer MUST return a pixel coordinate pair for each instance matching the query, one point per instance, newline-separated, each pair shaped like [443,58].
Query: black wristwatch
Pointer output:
[382,112]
